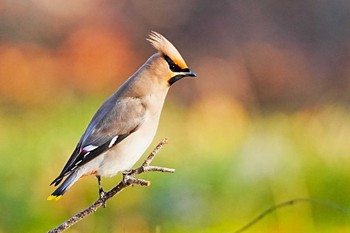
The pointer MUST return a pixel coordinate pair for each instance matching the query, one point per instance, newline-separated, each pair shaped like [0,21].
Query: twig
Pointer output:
[127,181]
[288,203]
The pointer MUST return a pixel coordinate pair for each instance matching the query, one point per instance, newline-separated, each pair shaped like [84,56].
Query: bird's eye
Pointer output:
[172,66]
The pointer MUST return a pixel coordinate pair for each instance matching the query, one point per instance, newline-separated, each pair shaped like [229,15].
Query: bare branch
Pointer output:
[128,180]
[158,169]
[150,158]
[288,203]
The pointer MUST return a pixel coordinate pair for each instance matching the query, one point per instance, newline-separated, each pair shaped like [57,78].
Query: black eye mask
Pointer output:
[173,67]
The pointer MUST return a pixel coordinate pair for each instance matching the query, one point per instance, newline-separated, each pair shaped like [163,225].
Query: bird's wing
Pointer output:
[112,123]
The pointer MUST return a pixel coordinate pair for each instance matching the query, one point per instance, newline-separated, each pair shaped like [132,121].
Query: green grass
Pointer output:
[229,165]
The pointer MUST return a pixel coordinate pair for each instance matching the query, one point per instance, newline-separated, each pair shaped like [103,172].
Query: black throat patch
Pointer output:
[172,80]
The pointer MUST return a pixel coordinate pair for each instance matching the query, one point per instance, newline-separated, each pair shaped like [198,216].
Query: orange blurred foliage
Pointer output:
[92,58]
[28,73]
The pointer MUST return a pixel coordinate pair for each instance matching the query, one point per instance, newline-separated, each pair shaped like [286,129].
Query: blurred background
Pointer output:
[266,120]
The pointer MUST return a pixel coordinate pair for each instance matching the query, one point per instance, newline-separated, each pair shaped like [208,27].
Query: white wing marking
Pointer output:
[90,148]
[113,141]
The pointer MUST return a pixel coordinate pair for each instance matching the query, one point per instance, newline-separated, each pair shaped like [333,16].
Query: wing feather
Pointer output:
[112,123]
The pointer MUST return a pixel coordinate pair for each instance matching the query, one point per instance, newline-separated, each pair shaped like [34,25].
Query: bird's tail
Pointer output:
[57,194]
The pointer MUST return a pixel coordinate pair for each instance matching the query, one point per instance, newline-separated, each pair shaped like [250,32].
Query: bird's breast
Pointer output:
[125,154]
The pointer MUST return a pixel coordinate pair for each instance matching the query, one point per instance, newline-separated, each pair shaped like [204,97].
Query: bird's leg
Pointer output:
[100,189]
[101,192]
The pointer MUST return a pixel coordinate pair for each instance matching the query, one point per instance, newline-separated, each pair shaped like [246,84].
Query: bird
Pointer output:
[124,126]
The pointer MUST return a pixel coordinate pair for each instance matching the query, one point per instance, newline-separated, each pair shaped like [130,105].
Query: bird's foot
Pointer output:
[102,194]
[127,176]
[127,172]
[129,179]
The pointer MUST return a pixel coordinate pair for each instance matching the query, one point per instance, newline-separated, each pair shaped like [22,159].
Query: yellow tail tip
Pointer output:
[56,198]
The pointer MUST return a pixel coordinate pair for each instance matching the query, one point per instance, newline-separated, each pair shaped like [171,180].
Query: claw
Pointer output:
[127,172]
[102,195]
[126,179]
[126,176]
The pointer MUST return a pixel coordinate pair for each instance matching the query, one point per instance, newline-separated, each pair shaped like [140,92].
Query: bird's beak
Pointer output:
[187,73]
[191,74]
[179,75]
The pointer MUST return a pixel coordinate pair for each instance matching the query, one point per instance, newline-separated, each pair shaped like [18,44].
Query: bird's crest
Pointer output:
[164,46]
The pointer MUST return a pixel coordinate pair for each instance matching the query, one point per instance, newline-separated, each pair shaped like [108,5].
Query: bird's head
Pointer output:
[168,63]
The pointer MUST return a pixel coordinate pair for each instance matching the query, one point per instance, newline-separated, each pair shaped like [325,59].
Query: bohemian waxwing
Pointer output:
[126,123]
